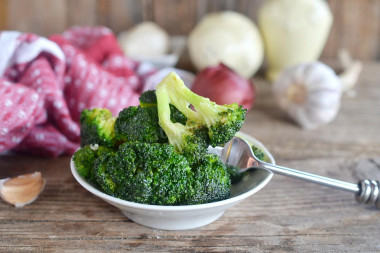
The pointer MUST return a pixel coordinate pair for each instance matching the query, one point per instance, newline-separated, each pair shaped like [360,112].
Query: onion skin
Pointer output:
[223,86]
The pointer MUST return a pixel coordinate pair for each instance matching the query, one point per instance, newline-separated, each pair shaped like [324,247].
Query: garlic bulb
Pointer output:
[145,39]
[309,93]
[22,190]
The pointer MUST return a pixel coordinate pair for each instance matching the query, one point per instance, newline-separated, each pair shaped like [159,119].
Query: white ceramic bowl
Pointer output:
[190,216]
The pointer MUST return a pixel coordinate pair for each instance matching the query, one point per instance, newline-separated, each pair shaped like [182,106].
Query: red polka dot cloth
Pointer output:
[46,83]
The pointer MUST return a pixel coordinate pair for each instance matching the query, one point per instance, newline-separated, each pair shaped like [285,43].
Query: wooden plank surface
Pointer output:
[286,216]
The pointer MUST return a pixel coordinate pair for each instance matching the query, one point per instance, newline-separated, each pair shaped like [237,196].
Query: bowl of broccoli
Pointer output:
[151,160]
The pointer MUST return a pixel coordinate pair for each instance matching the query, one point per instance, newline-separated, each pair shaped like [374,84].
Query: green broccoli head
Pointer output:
[137,123]
[176,116]
[148,98]
[258,153]
[234,171]
[84,160]
[222,121]
[97,127]
[194,142]
[235,174]
[210,181]
[149,173]
[101,169]
[230,120]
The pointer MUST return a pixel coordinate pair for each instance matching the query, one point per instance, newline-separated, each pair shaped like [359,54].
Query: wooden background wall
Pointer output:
[356,22]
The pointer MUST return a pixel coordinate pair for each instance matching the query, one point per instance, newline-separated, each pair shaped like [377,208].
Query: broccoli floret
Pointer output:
[258,153]
[222,121]
[146,168]
[97,127]
[176,116]
[101,166]
[84,160]
[149,173]
[210,182]
[136,123]
[153,173]
[148,98]
[234,171]
[195,142]
[140,123]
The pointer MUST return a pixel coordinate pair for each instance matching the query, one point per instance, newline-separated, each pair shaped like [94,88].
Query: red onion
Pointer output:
[223,86]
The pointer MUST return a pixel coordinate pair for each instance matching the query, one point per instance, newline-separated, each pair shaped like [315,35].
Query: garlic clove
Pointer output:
[23,189]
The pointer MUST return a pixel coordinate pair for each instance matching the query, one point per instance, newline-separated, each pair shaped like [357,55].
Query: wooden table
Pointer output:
[287,215]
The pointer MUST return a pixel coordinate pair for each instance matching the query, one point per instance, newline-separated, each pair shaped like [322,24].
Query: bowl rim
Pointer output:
[168,208]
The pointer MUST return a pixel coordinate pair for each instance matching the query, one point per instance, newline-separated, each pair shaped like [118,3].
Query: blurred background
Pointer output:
[215,46]
[356,25]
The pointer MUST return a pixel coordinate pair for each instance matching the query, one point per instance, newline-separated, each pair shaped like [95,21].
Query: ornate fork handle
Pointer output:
[366,191]
[369,192]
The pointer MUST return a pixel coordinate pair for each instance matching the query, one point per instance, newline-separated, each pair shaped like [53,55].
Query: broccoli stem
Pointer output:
[173,90]
[220,121]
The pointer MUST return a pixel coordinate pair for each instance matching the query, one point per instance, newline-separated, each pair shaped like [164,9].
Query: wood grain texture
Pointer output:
[356,24]
[334,38]
[125,14]
[81,12]
[3,14]
[43,17]
[286,216]
[357,29]
[178,16]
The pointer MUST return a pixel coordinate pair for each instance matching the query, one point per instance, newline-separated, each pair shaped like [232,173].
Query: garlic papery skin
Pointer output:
[146,39]
[23,189]
[310,93]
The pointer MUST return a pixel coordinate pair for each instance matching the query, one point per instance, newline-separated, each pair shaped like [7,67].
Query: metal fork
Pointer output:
[238,152]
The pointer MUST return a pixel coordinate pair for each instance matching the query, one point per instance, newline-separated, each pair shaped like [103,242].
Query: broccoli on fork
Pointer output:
[220,121]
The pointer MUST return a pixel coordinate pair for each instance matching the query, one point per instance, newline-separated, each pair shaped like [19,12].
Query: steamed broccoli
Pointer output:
[153,173]
[149,173]
[210,182]
[258,153]
[140,123]
[136,123]
[84,160]
[97,127]
[148,98]
[221,121]
[159,148]
[235,173]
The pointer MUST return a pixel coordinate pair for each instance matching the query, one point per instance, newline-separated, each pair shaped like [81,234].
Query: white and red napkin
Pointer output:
[46,83]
